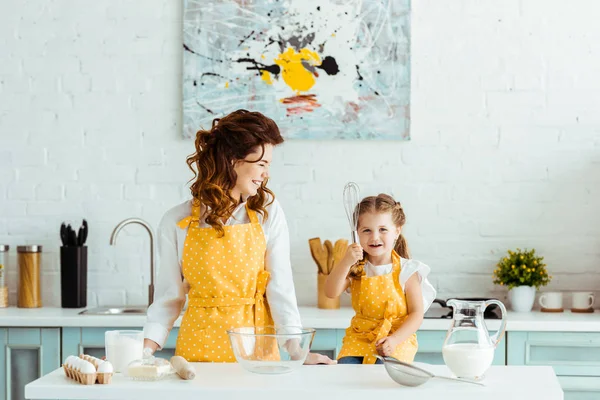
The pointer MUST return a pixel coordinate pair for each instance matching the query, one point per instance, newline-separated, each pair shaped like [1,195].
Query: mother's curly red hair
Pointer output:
[230,139]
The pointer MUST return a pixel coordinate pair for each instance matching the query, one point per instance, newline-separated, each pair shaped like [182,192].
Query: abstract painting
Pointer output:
[322,69]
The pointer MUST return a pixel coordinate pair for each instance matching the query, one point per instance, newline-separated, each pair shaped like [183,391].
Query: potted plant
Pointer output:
[522,272]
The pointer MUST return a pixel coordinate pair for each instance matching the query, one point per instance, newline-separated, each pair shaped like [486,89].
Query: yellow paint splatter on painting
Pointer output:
[295,75]
[226,84]
[266,76]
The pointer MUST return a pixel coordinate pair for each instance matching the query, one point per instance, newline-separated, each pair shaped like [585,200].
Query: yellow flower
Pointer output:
[524,267]
[512,266]
[521,257]
[534,262]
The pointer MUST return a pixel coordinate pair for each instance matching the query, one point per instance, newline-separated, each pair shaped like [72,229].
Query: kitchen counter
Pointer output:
[311,317]
[231,381]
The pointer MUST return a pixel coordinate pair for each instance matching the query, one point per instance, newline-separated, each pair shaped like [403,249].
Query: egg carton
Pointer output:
[88,378]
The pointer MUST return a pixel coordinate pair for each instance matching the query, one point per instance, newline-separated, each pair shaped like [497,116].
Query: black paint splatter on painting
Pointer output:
[360,78]
[207,109]
[187,48]
[274,69]
[211,74]
[246,38]
[329,65]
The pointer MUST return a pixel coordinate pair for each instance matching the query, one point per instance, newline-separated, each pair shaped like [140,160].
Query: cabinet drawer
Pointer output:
[580,387]
[569,353]
[325,342]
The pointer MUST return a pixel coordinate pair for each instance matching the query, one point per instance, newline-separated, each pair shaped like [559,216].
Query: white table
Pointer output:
[231,381]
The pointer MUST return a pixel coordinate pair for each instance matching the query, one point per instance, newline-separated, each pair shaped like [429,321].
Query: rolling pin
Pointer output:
[183,368]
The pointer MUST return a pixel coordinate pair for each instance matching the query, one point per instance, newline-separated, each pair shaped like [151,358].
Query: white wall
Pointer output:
[504,150]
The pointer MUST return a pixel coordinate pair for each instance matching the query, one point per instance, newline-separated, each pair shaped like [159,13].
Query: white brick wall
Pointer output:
[504,151]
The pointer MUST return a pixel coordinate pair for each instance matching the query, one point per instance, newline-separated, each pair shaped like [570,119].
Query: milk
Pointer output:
[468,360]
[121,350]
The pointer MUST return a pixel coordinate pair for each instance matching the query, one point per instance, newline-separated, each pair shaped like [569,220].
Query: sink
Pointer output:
[127,310]
[140,310]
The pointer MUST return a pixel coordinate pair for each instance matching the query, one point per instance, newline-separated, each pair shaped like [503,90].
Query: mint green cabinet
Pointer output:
[26,354]
[575,357]
[327,342]
[569,353]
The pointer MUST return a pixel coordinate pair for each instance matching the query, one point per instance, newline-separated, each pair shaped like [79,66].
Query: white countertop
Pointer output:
[231,381]
[311,317]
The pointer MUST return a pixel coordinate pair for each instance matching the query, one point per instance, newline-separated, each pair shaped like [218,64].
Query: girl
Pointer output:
[228,246]
[390,292]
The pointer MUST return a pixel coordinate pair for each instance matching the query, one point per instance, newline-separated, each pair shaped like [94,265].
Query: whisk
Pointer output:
[351,204]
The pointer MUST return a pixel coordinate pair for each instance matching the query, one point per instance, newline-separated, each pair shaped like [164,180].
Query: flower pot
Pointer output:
[521,298]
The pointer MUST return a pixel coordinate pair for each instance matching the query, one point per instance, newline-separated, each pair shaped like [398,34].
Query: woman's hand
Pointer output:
[354,253]
[151,344]
[295,351]
[387,345]
[316,358]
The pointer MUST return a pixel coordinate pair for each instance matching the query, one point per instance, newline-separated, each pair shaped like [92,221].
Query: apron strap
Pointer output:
[251,215]
[194,217]
[261,314]
[380,332]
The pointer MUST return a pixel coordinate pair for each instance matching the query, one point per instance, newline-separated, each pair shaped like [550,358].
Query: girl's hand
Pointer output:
[387,346]
[353,254]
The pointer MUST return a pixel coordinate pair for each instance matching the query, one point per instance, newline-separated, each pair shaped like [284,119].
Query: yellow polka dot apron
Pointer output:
[380,306]
[228,282]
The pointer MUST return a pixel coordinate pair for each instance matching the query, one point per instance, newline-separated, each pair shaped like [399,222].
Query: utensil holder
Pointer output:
[73,276]
[322,300]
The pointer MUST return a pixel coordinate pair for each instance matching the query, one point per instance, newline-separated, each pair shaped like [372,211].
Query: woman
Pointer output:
[229,246]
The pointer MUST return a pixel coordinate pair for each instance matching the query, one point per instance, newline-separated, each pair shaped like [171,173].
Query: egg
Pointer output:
[69,361]
[105,368]
[87,367]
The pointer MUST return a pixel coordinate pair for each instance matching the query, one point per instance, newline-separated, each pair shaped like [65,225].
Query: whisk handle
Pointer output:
[355,237]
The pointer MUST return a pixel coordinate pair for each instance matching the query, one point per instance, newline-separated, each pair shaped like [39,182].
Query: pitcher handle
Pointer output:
[497,337]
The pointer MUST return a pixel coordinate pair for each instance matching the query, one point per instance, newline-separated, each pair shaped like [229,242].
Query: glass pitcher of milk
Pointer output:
[469,349]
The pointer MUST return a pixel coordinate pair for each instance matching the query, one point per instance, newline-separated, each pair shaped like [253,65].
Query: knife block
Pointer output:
[73,276]
[322,300]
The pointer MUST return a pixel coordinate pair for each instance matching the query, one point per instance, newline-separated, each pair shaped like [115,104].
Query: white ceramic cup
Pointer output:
[582,300]
[551,300]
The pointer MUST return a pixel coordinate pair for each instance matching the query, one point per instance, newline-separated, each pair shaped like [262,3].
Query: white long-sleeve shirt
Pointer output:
[170,291]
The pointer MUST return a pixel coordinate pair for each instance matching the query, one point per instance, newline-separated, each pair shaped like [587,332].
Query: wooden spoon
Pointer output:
[319,254]
[329,247]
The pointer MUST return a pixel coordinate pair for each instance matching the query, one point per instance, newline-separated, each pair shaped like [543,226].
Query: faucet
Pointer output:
[113,241]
